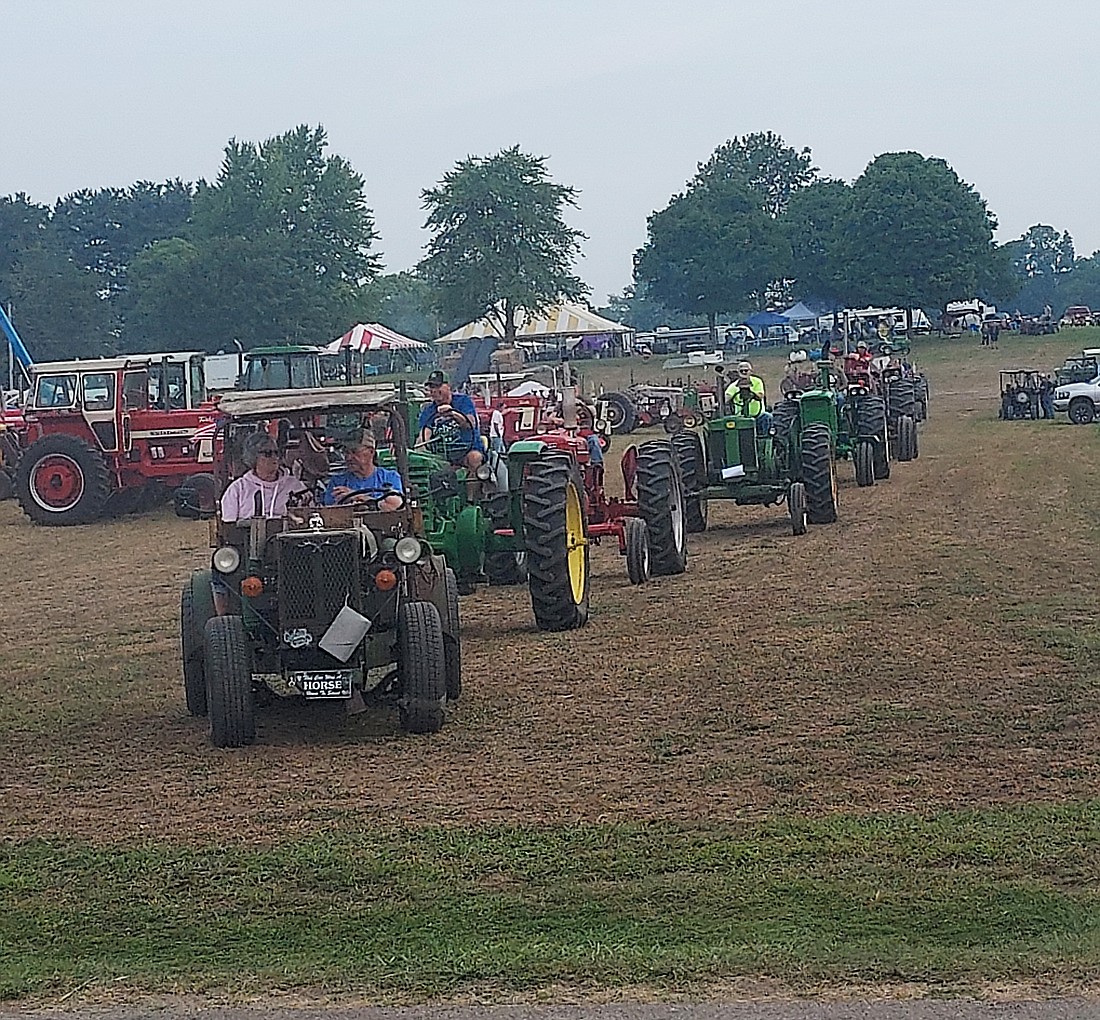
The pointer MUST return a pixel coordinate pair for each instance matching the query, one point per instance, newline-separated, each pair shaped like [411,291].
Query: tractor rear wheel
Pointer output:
[863,456]
[196,607]
[228,668]
[452,640]
[661,506]
[421,660]
[819,473]
[620,413]
[62,480]
[693,471]
[784,419]
[796,505]
[902,398]
[637,549]
[556,536]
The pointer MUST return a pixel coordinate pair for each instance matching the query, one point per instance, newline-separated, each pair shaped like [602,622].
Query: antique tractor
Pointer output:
[103,436]
[901,412]
[793,462]
[863,425]
[346,602]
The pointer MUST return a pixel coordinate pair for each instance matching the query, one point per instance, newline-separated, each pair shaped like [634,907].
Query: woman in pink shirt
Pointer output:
[265,488]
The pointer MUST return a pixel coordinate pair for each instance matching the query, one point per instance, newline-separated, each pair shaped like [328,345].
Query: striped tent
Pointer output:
[373,336]
[561,321]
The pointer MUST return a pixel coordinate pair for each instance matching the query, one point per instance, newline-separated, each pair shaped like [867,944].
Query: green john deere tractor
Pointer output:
[792,462]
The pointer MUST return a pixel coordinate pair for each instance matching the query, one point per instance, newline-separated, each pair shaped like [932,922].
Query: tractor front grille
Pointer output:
[318,576]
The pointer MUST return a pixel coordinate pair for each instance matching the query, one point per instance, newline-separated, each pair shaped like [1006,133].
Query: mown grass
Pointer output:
[948,899]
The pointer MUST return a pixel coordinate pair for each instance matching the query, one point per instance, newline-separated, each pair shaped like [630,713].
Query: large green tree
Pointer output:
[711,251]
[500,245]
[764,163]
[814,224]
[918,235]
[278,248]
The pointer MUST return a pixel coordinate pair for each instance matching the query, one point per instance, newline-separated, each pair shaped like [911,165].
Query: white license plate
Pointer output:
[326,683]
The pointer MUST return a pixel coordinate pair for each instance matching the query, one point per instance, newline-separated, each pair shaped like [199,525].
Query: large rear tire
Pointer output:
[196,607]
[229,698]
[785,417]
[621,413]
[421,660]
[819,473]
[452,639]
[661,506]
[556,536]
[61,480]
[693,471]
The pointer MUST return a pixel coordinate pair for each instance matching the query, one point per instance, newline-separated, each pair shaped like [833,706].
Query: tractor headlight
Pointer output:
[483,472]
[407,550]
[226,559]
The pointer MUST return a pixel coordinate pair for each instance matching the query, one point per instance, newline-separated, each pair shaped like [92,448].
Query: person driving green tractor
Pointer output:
[745,396]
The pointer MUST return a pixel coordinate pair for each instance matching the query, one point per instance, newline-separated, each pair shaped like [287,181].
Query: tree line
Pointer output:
[281,246]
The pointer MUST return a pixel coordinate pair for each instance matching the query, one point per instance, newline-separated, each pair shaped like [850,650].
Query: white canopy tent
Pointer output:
[565,320]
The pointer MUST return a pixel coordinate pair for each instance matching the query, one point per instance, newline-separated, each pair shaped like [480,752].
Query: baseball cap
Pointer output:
[436,378]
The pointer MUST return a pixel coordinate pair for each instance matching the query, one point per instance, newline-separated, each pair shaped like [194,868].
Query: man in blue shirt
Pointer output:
[365,477]
[454,413]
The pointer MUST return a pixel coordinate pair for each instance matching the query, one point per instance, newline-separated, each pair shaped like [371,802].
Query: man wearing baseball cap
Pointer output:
[456,408]
[364,477]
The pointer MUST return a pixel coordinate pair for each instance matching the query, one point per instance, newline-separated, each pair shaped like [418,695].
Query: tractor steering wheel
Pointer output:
[370,499]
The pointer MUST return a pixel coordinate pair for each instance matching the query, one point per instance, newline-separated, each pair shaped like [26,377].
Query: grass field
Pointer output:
[868,755]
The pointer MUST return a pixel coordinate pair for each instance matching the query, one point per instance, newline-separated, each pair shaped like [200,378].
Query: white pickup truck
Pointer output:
[1080,400]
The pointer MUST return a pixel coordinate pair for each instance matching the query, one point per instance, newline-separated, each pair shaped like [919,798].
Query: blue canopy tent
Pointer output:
[759,319]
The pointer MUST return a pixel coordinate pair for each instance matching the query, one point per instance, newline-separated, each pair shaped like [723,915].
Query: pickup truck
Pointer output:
[1080,400]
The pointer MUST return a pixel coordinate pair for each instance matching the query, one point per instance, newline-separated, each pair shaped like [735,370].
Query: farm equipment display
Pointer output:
[105,436]
[792,462]
[643,404]
[346,603]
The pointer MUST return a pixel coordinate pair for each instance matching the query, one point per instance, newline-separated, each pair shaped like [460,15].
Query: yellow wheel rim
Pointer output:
[576,543]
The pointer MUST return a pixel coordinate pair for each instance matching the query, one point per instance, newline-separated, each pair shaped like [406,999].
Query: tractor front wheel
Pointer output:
[693,471]
[907,433]
[661,506]
[556,536]
[228,667]
[196,607]
[637,550]
[819,473]
[421,659]
[452,641]
[863,456]
[796,505]
[62,480]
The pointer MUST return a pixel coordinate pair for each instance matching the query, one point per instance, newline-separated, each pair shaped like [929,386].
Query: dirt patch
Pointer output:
[930,650]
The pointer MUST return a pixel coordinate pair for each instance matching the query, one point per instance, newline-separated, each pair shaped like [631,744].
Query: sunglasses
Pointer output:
[267,453]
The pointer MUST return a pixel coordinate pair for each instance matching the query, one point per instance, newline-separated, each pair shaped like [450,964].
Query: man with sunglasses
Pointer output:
[265,477]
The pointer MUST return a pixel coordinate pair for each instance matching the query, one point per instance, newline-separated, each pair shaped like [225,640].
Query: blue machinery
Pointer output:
[18,348]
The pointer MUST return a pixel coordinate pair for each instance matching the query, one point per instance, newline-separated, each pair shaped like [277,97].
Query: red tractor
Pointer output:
[648,523]
[104,436]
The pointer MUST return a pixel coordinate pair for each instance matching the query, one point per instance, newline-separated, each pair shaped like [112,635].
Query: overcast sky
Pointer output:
[625,97]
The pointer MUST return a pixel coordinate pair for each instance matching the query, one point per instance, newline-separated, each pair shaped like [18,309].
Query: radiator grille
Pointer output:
[318,576]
